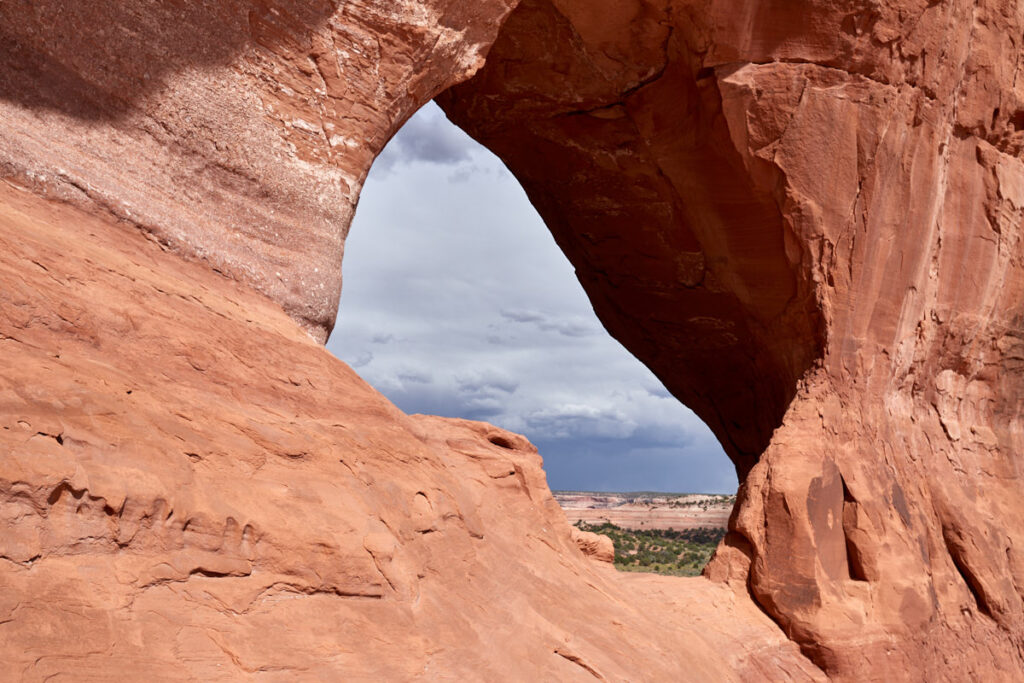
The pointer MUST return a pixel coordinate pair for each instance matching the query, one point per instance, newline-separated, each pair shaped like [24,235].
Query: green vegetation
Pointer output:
[662,551]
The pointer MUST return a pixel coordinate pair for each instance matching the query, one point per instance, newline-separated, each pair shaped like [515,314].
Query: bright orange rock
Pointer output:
[192,488]
[805,217]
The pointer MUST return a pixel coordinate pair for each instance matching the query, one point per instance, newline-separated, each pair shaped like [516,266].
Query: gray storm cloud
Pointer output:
[427,137]
[457,302]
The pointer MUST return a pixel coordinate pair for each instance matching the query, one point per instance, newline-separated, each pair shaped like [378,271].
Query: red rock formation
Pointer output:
[239,131]
[192,489]
[594,545]
[806,219]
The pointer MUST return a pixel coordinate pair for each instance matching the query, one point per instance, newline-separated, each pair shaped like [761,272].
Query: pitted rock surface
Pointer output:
[238,132]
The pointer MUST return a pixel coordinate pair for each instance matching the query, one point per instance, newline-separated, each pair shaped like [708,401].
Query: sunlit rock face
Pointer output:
[193,489]
[238,132]
[803,216]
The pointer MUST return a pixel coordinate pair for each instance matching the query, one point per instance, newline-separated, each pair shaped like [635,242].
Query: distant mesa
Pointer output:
[647,510]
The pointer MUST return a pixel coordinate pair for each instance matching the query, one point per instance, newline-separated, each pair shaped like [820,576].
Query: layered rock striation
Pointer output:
[804,217]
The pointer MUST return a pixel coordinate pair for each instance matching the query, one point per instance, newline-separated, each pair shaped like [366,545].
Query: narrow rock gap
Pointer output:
[854,559]
[578,661]
[955,547]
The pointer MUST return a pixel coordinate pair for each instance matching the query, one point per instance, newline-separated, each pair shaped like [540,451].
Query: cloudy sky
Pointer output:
[457,302]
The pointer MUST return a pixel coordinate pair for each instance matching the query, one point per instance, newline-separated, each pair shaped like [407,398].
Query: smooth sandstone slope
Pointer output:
[806,218]
[192,489]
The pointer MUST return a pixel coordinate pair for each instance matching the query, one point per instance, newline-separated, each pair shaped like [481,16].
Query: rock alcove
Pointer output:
[804,217]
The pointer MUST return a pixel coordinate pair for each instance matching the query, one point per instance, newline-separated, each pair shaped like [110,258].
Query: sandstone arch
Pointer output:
[265,114]
[803,219]
[822,215]
[629,159]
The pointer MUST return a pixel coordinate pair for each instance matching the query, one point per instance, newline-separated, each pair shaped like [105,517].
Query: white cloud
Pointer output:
[574,326]
[522,316]
[361,359]
[415,376]
[574,421]
[486,381]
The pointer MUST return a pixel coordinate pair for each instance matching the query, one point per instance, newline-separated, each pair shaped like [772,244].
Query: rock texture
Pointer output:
[594,545]
[192,489]
[804,216]
[806,219]
[238,132]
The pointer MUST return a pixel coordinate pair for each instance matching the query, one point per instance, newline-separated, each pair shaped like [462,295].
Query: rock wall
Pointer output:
[238,132]
[806,219]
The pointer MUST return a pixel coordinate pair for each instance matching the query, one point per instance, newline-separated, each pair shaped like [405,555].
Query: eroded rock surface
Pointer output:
[804,216]
[594,545]
[238,132]
[191,489]
[806,219]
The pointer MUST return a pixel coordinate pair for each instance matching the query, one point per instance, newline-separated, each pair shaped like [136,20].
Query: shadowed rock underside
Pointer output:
[805,217]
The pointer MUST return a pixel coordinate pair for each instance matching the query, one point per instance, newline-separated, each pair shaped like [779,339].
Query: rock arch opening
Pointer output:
[457,302]
[805,217]
[791,227]
[631,153]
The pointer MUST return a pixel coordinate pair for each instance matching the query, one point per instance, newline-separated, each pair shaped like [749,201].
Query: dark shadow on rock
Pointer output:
[95,60]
